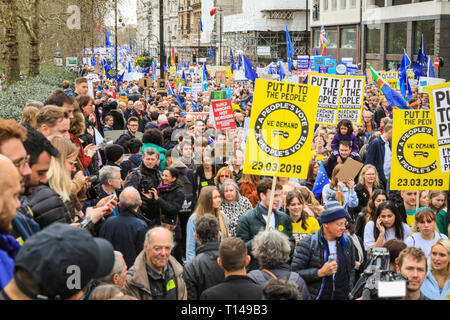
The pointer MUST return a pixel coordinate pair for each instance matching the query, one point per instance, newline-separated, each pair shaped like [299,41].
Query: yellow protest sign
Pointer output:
[440,104]
[415,158]
[281,129]
[341,97]
[391,77]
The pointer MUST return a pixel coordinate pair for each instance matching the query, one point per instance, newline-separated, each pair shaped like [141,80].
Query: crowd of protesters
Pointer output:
[132,187]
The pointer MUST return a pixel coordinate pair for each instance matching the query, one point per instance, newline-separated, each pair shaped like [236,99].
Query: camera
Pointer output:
[378,282]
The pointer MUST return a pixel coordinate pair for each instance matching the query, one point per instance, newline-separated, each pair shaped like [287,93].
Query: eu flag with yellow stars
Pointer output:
[421,63]
[321,180]
[250,72]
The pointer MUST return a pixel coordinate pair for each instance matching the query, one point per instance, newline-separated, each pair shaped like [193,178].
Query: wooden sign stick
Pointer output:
[274,182]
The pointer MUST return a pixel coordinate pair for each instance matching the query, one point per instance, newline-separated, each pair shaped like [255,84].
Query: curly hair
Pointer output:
[271,248]
[345,123]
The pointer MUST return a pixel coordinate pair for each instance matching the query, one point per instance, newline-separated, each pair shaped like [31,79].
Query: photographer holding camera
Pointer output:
[145,178]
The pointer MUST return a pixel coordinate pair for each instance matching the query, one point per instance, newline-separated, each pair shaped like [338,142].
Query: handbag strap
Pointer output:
[270,273]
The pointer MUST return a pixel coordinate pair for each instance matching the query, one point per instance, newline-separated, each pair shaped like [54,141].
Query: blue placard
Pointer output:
[228,92]
[187,89]
[303,62]
[352,69]
[331,64]
[320,61]
[341,68]
[323,69]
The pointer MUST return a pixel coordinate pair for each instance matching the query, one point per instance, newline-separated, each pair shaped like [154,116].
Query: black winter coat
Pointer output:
[203,271]
[169,204]
[234,288]
[47,207]
[126,232]
[309,258]
[363,199]
[143,179]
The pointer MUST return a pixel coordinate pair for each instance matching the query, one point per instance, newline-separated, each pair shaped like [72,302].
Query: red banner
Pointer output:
[223,115]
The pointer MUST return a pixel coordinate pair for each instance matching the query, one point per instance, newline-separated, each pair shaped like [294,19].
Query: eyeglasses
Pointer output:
[340,224]
[22,163]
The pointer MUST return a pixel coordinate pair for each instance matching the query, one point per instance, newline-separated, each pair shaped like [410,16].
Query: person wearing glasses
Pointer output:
[132,126]
[326,259]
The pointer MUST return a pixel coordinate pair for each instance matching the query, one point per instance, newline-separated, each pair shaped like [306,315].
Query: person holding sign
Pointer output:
[341,191]
[254,220]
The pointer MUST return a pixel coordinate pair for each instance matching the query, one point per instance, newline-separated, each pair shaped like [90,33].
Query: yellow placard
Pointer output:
[341,97]
[391,77]
[440,105]
[281,129]
[415,161]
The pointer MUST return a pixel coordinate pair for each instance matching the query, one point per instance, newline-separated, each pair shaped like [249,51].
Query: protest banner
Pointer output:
[341,68]
[440,103]
[281,129]
[303,62]
[220,76]
[341,97]
[352,69]
[223,115]
[427,81]
[415,162]
[391,77]
[186,89]
[331,64]
[145,83]
[239,75]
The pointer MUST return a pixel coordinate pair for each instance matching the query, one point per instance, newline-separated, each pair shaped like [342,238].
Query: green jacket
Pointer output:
[162,154]
[252,222]
[441,222]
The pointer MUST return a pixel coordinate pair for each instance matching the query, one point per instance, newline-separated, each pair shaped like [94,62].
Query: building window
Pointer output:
[427,29]
[348,38]
[316,36]
[333,4]
[396,37]
[325,5]
[353,3]
[373,38]
[332,38]
[343,4]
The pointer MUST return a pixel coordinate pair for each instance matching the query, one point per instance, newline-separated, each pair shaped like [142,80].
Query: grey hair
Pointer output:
[271,248]
[117,268]
[107,172]
[162,118]
[367,112]
[34,103]
[129,202]
[229,182]
[153,230]
[151,151]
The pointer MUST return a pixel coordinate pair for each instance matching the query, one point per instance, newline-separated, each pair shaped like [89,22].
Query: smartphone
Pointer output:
[113,196]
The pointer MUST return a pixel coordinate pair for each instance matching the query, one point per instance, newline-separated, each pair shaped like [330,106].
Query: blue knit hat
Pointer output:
[332,211]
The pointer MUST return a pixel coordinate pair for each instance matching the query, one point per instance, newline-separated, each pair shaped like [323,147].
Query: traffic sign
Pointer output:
[436,62]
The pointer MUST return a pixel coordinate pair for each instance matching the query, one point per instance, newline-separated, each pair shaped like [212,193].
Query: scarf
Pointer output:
[165,187]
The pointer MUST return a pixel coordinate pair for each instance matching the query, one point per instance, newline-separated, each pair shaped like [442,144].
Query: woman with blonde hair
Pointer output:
[368,181]
[51,203]
[424,231]
[312,206]
[209,201]
[437,283]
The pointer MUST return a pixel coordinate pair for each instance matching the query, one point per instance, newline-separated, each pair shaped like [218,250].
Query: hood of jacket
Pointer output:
[136,159]
[9,245]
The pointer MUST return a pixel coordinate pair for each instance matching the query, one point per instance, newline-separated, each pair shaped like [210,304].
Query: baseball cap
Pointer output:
[54,255]
[332,211]
[183,114]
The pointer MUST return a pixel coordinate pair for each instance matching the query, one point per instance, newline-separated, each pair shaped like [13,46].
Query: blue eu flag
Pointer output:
[250,72]
[421,62]
[107,36]
[233,65]
[321,180]
[289,49]
[211,55]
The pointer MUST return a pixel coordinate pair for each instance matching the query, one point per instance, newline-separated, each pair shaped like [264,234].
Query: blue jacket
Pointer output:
[375,156]
[9,248]
[126,232]
[430,288]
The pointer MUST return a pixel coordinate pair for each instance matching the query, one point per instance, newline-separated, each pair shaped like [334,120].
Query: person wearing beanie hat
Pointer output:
[114,155]
[57,263]
[326,259]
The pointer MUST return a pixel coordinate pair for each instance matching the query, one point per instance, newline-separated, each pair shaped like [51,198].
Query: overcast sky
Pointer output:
[127,10]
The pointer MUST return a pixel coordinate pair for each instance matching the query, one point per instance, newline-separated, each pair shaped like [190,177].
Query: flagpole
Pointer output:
[115,13]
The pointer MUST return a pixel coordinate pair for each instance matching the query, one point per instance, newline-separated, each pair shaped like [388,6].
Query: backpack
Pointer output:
[260,278]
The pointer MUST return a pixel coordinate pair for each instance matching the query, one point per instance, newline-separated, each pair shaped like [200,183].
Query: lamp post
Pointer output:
[115,36]
[220,35]
[161,46]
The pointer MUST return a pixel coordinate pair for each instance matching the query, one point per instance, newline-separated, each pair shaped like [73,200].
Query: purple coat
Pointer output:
[338,138]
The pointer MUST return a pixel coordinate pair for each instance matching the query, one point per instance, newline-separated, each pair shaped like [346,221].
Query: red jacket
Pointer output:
[85,160]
